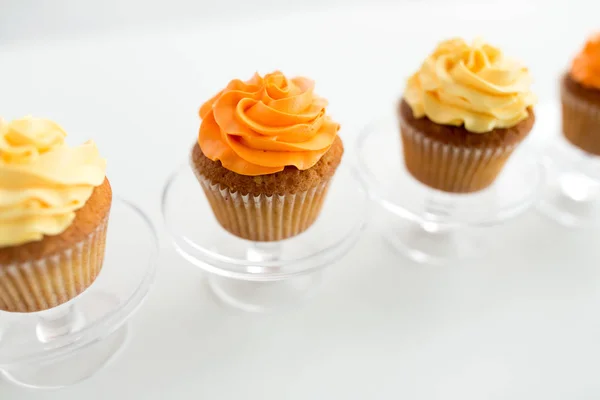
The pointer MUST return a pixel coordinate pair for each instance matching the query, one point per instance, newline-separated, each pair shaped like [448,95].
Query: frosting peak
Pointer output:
[586,66]
[262,125]
[473,85]
[24,139]
[43,181]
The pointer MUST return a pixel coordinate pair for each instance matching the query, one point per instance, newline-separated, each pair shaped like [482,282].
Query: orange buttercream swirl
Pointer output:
[586,66]
[261,126]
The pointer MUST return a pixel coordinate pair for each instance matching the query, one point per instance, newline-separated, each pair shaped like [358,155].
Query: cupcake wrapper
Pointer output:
[451,168]
[264,218]
[581,122]
[48,282]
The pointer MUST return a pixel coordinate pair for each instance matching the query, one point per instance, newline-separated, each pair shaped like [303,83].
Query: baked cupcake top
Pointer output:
[43,181]
[471,85]
[585,68]
[260,126]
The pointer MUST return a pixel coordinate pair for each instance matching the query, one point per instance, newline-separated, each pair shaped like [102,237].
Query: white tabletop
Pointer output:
[521,324]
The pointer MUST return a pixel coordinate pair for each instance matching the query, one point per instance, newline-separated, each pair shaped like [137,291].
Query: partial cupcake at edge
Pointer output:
[54,207]
[580,97]
[265,156]
[462,115]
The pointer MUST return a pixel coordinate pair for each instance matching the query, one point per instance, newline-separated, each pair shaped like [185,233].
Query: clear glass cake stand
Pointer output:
[432,226]
[262,276]
[70,343]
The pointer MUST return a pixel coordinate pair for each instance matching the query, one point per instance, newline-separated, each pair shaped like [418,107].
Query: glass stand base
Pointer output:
[431,226]
[252,296]
[572,194]
[71,369]
[570,212]
[423,245]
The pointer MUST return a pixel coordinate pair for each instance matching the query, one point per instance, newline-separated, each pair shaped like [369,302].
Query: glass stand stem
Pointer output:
[436,210]
[58,322]
[263,251]
[267,292]
[259,252]
[435,237]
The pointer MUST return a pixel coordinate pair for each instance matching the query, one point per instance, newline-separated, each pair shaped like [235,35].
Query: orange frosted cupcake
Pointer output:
[265,156]
[580,96]
[462,115]
[54,207]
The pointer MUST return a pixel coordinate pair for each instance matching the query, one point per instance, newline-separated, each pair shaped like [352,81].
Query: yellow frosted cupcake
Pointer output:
[462,115]
[54,207]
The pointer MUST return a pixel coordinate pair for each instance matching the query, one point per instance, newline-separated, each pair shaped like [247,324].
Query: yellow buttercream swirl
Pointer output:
[472,85]
[43,181]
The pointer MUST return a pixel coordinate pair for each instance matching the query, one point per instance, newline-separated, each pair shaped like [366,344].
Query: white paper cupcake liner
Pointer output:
[48,282]
[264,218]
[448,167]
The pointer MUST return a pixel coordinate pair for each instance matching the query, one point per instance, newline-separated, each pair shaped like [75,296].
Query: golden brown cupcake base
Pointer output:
[581,115]
[267,207]
[40,275]
[452,159]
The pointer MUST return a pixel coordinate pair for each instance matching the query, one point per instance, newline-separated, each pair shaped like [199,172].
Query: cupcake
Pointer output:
[265,156]
[54,206]
[580,97]
[462,115]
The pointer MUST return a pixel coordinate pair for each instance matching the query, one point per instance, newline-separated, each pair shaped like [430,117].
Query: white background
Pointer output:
[521,324]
